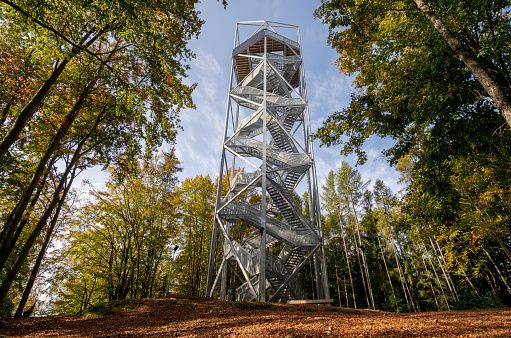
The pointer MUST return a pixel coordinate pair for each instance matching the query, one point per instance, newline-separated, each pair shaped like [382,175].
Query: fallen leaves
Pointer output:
[188,318]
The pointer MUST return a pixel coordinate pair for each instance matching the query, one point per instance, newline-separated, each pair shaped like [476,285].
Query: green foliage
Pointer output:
[411,85]
[6,308]
[103,309]
[110,83]
[450,144]
[195,199]
[108,308]
[468,300]
[119,244]
[490,301]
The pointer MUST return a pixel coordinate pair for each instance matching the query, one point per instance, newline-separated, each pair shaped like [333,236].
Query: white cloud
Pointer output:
[199,145]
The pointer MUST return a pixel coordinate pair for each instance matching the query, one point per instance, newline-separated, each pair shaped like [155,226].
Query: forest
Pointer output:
[102,83]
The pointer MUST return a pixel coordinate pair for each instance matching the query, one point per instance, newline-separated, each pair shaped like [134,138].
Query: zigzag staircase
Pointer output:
[287,163]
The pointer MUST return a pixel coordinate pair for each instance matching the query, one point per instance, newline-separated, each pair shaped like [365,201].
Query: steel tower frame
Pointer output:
[266,110]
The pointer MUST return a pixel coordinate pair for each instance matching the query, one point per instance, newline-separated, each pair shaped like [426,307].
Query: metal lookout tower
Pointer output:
[267,132]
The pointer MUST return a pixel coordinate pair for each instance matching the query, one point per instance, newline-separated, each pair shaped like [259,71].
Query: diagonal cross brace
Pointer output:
[294,273]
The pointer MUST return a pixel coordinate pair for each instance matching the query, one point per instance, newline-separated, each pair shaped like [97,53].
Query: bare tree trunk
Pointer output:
[346,291]
[11,274]
[11,225]
[503,247]
[7,247]
[408,288]
[42,251]
[401,274]
[29,110]
[337,279]
[365,268]
[362,272]
[492,81]
[492,285]
[347,259]
[498,270]
[88,296]
[445,271]
[430,283]
[398,264]
[437,279]
[386,268]
[6,109]
[466,277]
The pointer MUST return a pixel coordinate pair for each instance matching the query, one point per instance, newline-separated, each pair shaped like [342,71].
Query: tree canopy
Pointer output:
[412,87]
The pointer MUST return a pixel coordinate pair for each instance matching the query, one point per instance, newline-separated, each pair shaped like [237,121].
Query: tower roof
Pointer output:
[254,45]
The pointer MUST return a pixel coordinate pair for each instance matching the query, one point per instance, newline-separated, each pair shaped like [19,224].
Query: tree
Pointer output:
[196,198]
[491,73]
[119,241]
[343,196]
[411,84]
[333,205]
[63,30]
[101,88]
[445,123]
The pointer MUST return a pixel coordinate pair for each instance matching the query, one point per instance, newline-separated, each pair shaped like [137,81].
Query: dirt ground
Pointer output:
[198,318]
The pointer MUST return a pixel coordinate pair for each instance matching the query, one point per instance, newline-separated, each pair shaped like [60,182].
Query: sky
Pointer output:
[199,145]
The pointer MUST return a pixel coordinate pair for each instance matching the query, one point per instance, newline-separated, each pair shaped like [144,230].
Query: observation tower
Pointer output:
[266,240]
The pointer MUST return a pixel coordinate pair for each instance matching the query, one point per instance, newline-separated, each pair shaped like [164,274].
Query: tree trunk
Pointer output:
[29,110]
[7,247]
[42,252]
[89,296]
[337,280]
[11,274]
[495,86]
[407,283]
[492,285]
[362,264]
[445,271]
[503,247]
[12,224]
[498,270]
[364,261]
[401,274]
[347,261]
[386,268]
[466,277]
[429,279]
[437,278]
[6,109]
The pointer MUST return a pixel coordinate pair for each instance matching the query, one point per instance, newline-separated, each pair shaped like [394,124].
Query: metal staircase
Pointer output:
[267,128]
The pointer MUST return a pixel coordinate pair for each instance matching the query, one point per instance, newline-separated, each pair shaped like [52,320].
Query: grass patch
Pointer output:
[131,306]
[252,305]
[104,309]
[309,309]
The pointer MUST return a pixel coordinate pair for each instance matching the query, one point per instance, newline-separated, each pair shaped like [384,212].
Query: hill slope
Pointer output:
[195,318]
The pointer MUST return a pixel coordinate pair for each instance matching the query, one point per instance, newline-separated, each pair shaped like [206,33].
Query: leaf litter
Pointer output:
[197,318]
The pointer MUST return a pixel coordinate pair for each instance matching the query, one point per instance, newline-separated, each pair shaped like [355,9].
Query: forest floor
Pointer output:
[198,318]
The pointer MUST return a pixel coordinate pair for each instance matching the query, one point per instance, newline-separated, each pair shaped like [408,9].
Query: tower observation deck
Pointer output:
[266,240]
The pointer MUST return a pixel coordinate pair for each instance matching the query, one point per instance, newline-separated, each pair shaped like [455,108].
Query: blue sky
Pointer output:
[199,144]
